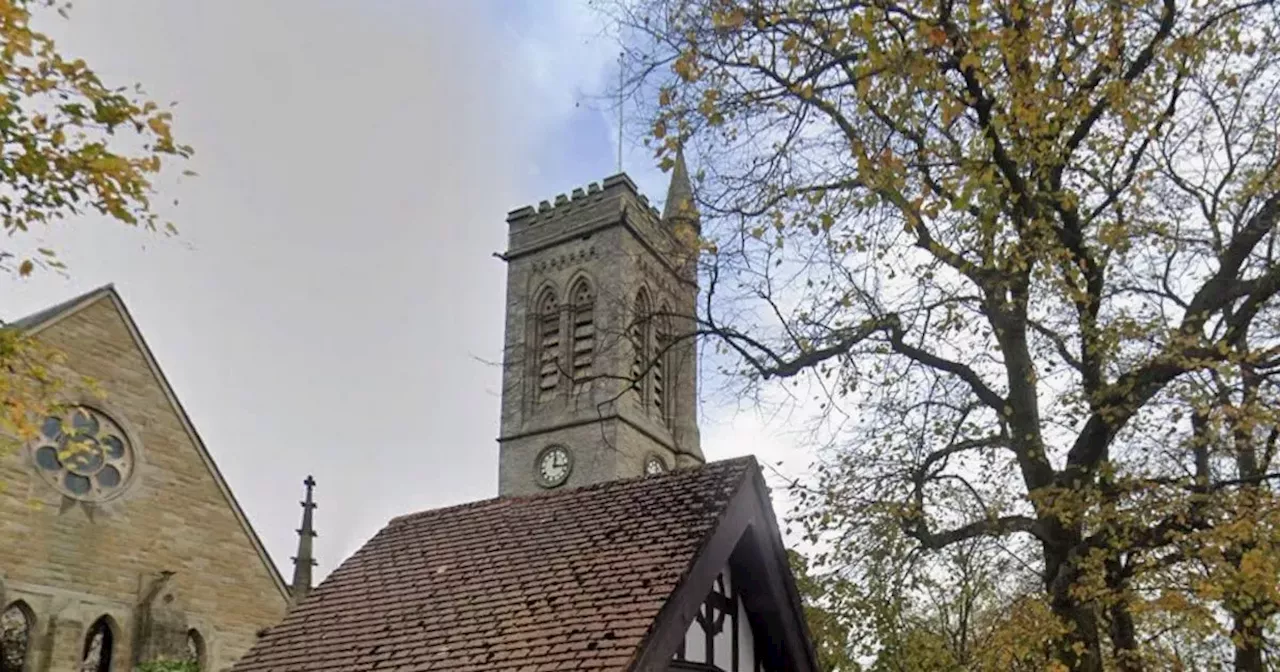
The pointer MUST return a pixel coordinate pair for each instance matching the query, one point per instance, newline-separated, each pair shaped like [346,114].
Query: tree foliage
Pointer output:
[829,623]
[70,145]
[1024,252]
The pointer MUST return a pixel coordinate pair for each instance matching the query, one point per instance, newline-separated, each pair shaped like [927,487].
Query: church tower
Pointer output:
[600,370]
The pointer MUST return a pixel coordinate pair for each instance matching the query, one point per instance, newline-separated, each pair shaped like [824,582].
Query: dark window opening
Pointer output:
[15,637]
[99,644]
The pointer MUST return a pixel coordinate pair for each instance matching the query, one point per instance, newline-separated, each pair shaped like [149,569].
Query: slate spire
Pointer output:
[303,561]
[680,207]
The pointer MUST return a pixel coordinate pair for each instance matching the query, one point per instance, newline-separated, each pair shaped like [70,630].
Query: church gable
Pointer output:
[141,530]
[738,609]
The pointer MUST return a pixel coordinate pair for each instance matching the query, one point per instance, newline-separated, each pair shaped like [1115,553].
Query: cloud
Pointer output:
[332,306]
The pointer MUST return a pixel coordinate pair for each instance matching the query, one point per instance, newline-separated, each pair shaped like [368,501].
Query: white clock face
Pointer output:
[554,465]
[653,465]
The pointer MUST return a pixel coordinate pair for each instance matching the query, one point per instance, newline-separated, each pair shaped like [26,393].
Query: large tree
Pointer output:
[70,145]
[1025,252]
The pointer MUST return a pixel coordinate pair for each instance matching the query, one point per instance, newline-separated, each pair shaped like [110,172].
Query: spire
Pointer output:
[680,203]
[303,562]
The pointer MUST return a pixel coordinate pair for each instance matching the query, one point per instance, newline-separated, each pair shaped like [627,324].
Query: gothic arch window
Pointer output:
[547,344]
[584,329]
[99,645]
[196,650]
[661,360]
[16,625]
[639,335]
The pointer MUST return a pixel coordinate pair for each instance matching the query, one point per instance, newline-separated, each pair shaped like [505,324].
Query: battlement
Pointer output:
[580,197]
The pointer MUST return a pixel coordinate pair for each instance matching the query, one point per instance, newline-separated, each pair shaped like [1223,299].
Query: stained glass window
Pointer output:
[85,455]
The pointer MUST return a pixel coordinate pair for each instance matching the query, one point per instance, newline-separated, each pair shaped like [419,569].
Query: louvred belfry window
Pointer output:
[548,345]
[584,331]
[661,337]
[640,346]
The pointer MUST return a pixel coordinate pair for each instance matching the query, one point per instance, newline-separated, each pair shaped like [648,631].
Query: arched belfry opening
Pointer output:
[639,330]
[584,330]
[547,344]
[661,396]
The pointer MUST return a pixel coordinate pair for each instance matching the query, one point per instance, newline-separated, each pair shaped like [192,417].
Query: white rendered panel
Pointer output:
[724,644]
[695,644]
[746,640]
[722,647]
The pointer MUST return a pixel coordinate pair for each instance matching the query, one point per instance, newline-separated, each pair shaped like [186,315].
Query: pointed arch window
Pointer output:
[195,649]
[99,644]
[661,371]
[584,330]
[640,346]
[547,348]
[16,624]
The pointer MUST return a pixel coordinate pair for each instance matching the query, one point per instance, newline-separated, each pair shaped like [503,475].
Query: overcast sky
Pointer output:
[332,305]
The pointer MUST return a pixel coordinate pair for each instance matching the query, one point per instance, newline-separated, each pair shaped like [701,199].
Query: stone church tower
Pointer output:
[600,370]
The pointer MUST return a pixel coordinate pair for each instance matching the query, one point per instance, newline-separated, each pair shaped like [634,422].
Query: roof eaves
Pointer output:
[659,643]
[48,316]
[792,596]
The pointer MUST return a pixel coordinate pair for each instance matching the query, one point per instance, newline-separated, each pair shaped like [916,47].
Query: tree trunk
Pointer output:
[1080,648]
[1124,638]
[1248,638]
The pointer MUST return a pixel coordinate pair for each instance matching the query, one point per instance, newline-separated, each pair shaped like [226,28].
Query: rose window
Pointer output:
[85,456]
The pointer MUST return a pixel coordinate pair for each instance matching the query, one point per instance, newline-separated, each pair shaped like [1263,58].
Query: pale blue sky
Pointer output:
[332,301]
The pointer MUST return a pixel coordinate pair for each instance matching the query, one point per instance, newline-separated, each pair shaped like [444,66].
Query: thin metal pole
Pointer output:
[621,83]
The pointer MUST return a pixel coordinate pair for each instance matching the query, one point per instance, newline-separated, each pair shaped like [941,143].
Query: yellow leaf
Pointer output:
[158,126]
[25,268]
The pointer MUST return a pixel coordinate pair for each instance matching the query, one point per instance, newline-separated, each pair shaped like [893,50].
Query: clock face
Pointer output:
[653,465]
[553,466]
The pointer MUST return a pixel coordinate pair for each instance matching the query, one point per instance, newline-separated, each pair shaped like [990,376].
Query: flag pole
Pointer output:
[621,84]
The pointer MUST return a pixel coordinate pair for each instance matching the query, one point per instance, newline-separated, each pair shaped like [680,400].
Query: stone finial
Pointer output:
[303,561]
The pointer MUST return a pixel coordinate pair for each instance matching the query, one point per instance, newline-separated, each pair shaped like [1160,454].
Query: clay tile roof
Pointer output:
[566,581]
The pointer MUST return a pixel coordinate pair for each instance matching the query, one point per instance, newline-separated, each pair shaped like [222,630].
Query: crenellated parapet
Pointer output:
[614,201]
